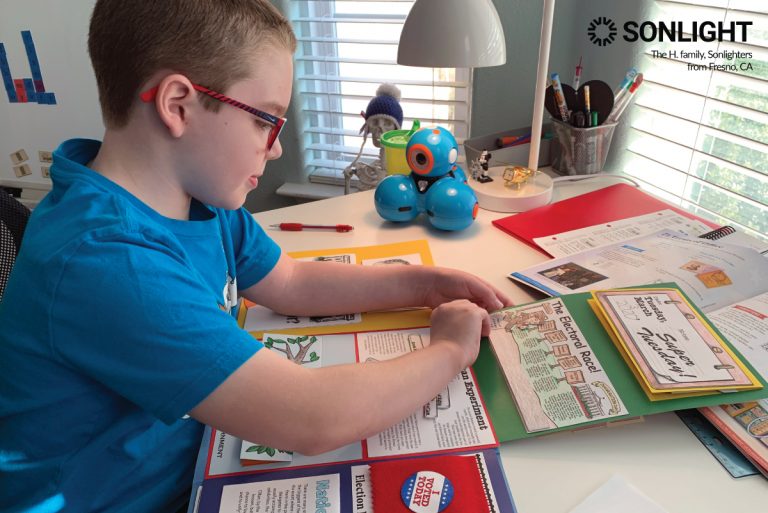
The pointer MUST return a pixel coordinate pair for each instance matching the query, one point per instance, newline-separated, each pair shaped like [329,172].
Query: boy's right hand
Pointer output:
[460,323]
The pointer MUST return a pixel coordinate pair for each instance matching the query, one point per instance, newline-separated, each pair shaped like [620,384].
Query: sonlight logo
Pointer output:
[602,31]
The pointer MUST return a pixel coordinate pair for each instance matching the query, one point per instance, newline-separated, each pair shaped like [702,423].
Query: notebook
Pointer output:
[730,235]
[612,203]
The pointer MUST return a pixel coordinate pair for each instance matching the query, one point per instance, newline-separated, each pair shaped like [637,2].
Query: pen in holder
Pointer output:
[580,151]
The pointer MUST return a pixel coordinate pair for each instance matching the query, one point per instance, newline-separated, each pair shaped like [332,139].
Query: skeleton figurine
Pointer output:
[382,115]
[482,161]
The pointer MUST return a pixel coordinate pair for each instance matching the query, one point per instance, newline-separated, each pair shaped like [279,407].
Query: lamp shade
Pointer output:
[452,34]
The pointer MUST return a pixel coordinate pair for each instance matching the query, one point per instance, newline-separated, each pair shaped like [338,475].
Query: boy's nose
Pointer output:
[276,151]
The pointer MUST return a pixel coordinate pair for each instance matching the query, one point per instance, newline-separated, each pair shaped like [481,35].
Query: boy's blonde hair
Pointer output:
[212,42]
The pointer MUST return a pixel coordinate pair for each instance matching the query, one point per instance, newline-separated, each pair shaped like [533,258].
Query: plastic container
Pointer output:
[511,155]
[394,143]
[582,151]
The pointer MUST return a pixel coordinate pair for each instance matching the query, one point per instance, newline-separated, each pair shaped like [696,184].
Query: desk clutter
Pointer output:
[605,349]
[632,244]
[443,457]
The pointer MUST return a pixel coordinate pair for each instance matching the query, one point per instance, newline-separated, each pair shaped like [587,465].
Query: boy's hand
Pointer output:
[445,285]
[460,323]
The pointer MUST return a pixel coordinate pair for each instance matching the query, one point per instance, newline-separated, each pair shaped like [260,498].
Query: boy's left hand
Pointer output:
[444,285]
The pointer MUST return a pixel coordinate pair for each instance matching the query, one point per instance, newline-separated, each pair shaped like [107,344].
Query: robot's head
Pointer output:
[432,152]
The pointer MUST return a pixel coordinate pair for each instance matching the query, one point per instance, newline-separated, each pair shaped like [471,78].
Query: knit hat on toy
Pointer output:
[386,103]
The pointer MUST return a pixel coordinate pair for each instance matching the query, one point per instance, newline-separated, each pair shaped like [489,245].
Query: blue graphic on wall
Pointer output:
[25,90]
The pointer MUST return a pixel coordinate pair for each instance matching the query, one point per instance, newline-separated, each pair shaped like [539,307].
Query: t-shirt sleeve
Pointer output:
[132,315]
[255,251]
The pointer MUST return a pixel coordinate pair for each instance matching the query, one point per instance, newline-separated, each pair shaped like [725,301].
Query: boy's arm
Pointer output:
[329,288]
[272,401]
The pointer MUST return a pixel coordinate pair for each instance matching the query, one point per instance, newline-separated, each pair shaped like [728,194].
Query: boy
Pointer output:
[116,320]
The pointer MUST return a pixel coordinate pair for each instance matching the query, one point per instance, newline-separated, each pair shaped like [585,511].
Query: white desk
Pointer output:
[549,474]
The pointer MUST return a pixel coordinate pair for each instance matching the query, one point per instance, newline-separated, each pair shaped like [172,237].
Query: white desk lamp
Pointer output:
[468,34]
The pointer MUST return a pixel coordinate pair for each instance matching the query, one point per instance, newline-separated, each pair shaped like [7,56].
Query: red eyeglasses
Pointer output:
[275,122]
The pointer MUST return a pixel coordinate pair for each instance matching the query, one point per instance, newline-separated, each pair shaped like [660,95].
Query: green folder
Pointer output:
[506,419]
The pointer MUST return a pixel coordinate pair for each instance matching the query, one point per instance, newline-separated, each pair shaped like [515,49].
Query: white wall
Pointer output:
[59,31]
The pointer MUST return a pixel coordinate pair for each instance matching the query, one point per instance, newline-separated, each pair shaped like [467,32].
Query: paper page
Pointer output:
[712,274]
[456,418]
[341,258]
[361,488]
[329,350]
[746,427]
[583,239]
[745,325]
[742,239]
[412,259]
[552,372]
[669,343]
[260,318]
[617,495]
[361,485]
[298,495]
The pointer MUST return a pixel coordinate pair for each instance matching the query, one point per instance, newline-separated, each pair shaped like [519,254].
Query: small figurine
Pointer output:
[436,185]
[483,161]
[516,176]
[382,115]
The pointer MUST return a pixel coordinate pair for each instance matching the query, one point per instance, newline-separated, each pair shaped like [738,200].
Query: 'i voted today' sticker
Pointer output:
[427,492]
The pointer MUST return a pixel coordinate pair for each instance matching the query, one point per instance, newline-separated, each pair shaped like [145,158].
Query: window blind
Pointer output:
[346,49]
[699,137]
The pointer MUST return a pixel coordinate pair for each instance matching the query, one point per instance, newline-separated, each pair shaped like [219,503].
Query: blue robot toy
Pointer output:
[436,185]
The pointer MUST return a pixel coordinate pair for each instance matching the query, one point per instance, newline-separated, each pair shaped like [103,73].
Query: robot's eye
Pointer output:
[420,159]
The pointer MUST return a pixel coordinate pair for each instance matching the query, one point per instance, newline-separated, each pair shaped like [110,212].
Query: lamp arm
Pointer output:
[541,83]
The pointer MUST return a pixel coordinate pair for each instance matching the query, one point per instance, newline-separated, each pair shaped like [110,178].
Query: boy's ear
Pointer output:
[175,99]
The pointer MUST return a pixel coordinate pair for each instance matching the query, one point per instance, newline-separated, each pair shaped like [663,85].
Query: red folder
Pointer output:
[612,203]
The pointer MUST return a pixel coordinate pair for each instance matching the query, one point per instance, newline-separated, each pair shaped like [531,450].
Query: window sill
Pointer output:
[310,191]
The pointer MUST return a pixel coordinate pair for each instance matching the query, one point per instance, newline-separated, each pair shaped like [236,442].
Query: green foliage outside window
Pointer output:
[730,179]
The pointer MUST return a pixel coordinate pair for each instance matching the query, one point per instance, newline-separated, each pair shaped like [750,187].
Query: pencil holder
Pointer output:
[580,151]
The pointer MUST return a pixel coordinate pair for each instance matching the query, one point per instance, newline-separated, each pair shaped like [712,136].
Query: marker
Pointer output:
[619,109]
[578,119]
[298,227]
[586,106]
[577,75]
[557,88]
[625,84]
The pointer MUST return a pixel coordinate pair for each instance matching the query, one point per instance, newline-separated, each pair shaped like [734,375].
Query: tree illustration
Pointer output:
[263,449]
[294,349]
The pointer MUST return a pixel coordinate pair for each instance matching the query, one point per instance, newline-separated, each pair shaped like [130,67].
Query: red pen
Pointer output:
[297,227]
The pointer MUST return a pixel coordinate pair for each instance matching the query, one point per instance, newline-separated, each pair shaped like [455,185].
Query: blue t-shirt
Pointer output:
[113,327]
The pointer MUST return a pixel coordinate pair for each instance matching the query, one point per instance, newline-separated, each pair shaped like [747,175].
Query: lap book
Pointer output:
[592,358]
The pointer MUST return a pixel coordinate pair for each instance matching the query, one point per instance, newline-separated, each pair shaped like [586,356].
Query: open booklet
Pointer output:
[713,274]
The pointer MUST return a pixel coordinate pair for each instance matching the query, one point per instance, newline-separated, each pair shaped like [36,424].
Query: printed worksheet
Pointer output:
[297,495]
[583,239]
[712,274]
[455,419]
[554,376]
[745,325]
[260,318]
